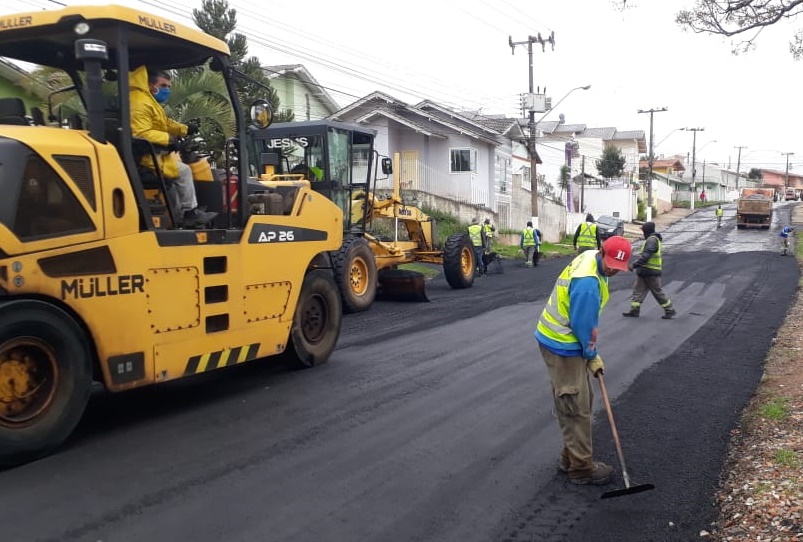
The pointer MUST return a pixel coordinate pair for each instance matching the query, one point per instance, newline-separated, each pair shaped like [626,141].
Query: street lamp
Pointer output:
[533,155]
[669,134]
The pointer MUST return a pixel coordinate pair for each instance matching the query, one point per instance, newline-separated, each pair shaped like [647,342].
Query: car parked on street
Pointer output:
[609,226]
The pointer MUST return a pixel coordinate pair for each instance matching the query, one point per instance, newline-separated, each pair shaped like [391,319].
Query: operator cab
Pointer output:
[88,54]
[337,158]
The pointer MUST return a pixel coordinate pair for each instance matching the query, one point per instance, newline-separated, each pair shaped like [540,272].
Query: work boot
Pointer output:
[669,313]
[197,217]
[563,464]
[632,313]
[597,475]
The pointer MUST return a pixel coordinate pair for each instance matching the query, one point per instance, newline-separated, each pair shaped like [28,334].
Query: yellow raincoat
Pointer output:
[149,121]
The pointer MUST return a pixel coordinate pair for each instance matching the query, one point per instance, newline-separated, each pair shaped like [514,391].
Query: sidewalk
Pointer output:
[662,221]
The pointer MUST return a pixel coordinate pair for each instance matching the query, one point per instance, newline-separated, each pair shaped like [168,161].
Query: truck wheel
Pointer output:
[355,274]
[317,321]
[458,261]
[45,379]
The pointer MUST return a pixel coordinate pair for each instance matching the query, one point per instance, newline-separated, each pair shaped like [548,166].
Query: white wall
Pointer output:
[608,201]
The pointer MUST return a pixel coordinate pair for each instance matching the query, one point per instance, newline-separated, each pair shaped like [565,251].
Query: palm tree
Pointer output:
[202,94]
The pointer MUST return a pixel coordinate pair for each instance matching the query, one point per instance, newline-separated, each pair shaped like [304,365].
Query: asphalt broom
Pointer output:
[628,489]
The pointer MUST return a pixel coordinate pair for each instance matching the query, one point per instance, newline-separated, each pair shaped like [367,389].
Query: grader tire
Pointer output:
[458,261]
[316,322]
[45,379]
[355,274]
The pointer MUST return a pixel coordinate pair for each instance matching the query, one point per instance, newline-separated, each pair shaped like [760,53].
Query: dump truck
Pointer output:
[381,230]
[754,208]
[97,284]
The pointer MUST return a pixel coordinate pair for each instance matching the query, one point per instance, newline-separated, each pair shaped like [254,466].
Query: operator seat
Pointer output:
[12,111]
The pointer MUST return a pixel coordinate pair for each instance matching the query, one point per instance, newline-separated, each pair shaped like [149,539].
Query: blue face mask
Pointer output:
[162,94]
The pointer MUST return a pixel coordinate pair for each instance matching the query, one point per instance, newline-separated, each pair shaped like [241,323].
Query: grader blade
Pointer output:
[402,285]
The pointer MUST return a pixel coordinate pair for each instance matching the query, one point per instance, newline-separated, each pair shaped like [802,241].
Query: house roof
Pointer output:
[429,120]
[606,134]
[672,163]
[301,73]
[498,123]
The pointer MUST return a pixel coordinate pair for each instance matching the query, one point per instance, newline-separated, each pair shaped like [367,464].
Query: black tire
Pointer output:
[45,379]
[458,261]
[355,274]
[316,322]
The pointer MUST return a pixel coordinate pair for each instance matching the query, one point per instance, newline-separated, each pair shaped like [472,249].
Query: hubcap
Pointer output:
[358,276]
[465,262]
[28,377]
[314,319]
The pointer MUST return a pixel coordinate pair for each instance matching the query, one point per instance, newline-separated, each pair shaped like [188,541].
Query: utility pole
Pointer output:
[694,165]
[583,185]
[650,158]
[786,177]
[738,164]
[531,125]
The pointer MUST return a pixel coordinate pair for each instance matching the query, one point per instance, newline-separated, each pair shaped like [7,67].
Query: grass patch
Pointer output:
[564,248]
[428,271]
[775,409]
[787,458]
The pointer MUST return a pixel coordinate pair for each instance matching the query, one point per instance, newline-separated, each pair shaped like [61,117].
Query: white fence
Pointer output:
[422,178]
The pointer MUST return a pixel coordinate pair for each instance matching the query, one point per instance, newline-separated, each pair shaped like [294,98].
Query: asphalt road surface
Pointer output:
[432,421]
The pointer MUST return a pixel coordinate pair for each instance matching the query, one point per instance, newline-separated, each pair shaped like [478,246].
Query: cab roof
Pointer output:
[47,37]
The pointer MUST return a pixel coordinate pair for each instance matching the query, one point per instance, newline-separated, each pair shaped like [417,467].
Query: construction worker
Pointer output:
[784,234]
[719,215]
[149,90]
[477,235]
[648,268]
[528,242]
[567,338]
[489,230]
[586,236]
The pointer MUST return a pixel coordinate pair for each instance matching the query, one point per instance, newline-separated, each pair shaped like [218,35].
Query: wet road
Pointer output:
[432,421]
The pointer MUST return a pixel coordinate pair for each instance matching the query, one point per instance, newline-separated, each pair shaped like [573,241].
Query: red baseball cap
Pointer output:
[616,252]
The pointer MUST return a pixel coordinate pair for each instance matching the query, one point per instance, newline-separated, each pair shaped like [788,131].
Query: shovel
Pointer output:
[628,489]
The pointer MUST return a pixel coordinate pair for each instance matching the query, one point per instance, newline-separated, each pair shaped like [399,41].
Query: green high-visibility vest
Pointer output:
[529,237]
[475,233]
[554,322]
[655,262]
[588,235]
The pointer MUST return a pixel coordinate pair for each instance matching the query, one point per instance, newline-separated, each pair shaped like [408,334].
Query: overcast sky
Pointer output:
[456,52]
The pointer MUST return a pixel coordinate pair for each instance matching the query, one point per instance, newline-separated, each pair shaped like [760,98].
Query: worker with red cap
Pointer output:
[567,337]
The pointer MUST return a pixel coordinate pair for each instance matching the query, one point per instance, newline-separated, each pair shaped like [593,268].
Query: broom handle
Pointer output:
[613,428]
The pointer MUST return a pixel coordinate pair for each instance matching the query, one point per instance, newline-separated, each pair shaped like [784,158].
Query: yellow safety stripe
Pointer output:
[221,358]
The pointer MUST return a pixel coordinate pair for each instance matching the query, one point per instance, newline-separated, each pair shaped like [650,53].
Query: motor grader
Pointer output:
[381,231]
[97,282]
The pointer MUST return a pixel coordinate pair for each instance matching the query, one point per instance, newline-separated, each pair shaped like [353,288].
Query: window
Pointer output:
[525,178]
[463,160]
[45,206]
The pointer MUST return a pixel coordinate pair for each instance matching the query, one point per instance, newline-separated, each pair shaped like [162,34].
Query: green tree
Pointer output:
[202,94]
[612,162]
[755,173]
[564,179]
[218,20]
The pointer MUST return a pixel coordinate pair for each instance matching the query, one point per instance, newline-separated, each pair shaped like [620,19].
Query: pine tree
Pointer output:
[218,20]
[612,162]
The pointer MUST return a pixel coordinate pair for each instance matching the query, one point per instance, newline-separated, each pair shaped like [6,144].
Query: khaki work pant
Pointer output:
[649,284]
[571,388]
